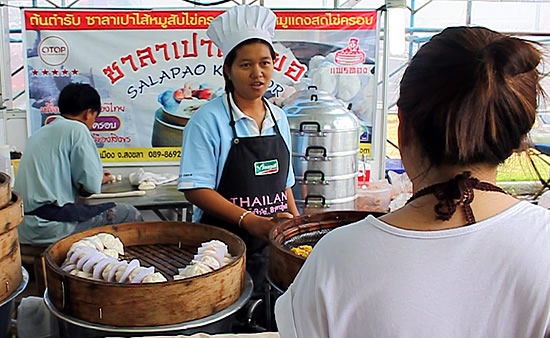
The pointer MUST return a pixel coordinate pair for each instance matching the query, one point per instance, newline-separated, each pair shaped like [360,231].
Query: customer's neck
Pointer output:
[443,173]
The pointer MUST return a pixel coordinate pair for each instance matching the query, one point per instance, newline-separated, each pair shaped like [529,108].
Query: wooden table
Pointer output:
[161,198]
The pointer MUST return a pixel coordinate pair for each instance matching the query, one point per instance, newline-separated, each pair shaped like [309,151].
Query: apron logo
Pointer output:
[266,167]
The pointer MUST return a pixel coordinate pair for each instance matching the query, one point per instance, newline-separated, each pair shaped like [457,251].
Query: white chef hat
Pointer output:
[241,23]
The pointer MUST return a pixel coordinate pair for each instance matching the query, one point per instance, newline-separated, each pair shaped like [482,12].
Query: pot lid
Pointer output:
[315,111]
[305,95]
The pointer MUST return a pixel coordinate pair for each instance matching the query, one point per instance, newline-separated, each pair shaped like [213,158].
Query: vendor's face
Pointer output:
[251,71]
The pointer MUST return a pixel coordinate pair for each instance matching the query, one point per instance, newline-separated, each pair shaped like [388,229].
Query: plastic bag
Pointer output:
[400,183]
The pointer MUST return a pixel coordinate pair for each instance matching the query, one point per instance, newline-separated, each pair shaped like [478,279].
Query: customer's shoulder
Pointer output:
[347,233]
[524,220]
[529,212]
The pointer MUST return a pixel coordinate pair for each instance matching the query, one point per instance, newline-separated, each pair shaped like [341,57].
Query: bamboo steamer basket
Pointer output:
[11,215]
[304,230]
[167,246]
[5,190]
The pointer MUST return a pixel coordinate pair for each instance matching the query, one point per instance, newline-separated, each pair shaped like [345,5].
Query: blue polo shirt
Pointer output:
[59,159]
[207,140]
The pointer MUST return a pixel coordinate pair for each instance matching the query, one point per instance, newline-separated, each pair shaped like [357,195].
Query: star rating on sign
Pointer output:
[54,72]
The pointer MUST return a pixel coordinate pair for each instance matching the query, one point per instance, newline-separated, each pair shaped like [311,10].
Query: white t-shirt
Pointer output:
[370,279]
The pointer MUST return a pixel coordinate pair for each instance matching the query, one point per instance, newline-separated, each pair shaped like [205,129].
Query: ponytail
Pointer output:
[470,95]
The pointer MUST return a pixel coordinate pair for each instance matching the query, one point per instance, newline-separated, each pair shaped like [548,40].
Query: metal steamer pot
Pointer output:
[325,148]
[167,129]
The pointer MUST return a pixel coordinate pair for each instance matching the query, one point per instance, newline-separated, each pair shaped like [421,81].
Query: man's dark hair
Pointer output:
[78,97]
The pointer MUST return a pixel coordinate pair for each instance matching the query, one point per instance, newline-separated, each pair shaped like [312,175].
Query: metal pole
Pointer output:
[537,18]
[375,162]
[411,25]
[379,133]
[469,12]
[5,69]
[5,63]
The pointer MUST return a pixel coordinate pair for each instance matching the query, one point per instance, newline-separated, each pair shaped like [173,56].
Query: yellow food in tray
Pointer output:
[302,250]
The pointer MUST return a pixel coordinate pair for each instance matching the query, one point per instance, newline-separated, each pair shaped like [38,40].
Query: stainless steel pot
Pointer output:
[317,158]
[318,119]
[337,143]
[325,151]
[167,130]
[316,204]
[305,96]
[315,183]
[6,305]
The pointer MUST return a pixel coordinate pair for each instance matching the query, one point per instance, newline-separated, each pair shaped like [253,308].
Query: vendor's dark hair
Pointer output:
[78,97]
[470,95]
[230,58]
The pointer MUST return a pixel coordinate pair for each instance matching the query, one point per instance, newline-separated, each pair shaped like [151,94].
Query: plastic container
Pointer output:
[394,164]
[364,171]
[364,177]
[374,196]
[15,165]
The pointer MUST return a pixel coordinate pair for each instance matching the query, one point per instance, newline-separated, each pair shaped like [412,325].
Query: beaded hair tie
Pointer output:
[455,192]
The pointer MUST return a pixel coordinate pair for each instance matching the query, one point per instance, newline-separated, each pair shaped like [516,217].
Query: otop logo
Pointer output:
[53,51]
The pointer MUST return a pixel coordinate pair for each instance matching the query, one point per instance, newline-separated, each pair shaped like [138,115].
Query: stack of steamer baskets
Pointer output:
[171,306]
[13,279]
[325,151]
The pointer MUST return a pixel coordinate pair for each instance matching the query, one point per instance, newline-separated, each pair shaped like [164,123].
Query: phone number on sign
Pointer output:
[167,154]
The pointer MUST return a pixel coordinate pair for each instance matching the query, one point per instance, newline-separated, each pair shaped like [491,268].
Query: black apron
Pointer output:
[254,178]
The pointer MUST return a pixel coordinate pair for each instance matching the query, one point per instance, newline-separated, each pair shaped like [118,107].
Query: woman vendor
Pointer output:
[462,258]
[235,165]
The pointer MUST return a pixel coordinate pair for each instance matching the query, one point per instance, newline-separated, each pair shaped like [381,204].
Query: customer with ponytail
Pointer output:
[462,258]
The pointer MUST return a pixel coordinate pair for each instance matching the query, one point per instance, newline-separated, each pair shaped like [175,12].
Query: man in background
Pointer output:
[61,163]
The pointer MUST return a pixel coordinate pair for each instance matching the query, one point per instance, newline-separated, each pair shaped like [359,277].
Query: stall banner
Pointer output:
[154,69]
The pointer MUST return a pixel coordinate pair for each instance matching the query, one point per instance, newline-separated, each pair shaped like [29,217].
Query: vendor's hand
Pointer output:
[260,226]
[107,177]
[281,217]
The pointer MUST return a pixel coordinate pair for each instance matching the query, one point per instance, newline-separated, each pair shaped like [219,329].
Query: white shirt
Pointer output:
[370,279]
[253,129]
